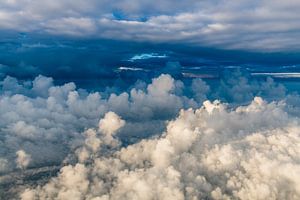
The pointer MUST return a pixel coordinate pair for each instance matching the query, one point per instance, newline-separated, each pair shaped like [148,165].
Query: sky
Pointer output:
[244,25]
[139,99]
[80,39]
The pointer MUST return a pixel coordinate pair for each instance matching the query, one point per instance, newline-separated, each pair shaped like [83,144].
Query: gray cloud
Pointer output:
[249,25]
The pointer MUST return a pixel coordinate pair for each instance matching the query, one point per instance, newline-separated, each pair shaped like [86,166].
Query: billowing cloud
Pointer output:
[251,152]
[248,25]
[23,159]
[110,123]
[43,119]
[134,144]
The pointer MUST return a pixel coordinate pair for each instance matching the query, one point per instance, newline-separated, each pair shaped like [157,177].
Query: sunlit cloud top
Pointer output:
[244,25]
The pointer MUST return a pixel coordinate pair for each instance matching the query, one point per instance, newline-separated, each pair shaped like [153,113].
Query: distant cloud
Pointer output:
[248,25]
[145,56]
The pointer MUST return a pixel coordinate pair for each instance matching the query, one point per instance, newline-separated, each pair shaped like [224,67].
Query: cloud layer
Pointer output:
[44,121]
[248,25]
[251,152]
[141,146]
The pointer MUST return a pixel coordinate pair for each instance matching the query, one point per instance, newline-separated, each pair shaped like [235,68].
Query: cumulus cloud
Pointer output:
[110,123]
[46,120]
[251,152]
[23,159]
[237,87]
[251,25]
[141,147]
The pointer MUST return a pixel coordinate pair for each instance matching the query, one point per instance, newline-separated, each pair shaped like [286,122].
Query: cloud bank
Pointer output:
[44,120]
[248,25]
[251,152]
[159,140]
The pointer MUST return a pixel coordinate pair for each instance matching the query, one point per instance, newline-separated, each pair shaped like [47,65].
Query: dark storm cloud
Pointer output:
[28,55]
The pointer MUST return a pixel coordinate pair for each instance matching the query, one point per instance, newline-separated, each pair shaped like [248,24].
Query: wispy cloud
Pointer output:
[145,56]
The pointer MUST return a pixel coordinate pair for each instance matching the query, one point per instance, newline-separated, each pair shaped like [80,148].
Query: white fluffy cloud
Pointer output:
[251,25]
[251,152]
[214,151]
[46,120]
[110,123]
[23,159]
